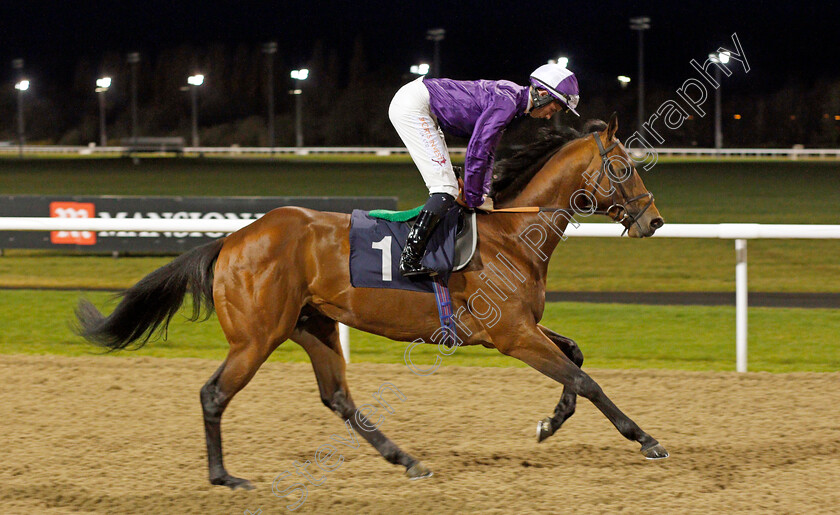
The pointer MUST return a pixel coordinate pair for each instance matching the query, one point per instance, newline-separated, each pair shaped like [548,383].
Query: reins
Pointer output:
[524,209]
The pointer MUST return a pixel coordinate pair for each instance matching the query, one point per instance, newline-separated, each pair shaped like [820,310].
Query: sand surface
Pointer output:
[125,435]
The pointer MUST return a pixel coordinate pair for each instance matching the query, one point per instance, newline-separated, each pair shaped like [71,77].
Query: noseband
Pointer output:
[606,168]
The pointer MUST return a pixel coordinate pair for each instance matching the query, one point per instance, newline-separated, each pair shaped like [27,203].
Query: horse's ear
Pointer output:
[612,127]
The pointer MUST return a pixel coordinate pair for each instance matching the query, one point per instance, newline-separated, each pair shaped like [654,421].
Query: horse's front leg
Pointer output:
[566,406]
[531,346]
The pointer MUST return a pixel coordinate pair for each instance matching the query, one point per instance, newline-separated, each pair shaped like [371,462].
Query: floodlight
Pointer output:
[722,57]
[420,69]
[195,80]
[301,74]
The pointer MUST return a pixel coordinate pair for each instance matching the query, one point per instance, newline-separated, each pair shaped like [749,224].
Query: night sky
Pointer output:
[783,41]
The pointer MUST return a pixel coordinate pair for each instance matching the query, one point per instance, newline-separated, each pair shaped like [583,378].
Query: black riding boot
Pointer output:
[415,245]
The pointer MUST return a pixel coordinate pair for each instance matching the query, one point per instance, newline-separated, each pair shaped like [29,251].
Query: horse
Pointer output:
[286,277]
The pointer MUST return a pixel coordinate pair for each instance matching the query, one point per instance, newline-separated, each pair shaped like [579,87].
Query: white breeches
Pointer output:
[422,136]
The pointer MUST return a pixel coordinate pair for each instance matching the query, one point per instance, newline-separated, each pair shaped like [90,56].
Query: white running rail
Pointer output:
[233,151]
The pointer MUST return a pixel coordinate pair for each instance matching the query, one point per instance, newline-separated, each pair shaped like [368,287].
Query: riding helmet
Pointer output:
[561,84]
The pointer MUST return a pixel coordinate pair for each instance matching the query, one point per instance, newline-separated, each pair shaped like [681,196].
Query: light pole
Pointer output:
[270,49]
[195,81]
[437,36]
[641,24]
[102,86]
[133,59]
[420,69]
[722,58]
[21,86]
[298,75]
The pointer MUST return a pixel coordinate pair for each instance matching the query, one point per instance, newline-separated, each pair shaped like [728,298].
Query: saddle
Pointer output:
[466,237]
[377,238]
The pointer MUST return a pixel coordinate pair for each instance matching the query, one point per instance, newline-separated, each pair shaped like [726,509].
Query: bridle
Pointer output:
[606,168]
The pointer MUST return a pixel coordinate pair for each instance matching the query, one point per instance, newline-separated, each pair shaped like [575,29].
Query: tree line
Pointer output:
[345,103]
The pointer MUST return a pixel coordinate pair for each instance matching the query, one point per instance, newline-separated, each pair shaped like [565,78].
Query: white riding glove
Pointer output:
[487,206]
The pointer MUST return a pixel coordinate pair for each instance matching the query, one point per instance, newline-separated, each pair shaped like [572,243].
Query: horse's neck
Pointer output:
[552,187]
[558,179]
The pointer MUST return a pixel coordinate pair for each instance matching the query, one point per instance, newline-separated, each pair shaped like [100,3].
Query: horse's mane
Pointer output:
[512,174]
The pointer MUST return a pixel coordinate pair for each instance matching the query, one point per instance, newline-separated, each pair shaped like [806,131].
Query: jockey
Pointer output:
[479,110]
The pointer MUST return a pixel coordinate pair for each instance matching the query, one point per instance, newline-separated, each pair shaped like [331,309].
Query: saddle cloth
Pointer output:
[376,245]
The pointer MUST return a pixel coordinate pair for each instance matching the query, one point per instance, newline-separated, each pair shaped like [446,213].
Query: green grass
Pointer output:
[578,264]
[693,191]
[670,264]
[686,192]
[786,192]
[213,177]
[611,336]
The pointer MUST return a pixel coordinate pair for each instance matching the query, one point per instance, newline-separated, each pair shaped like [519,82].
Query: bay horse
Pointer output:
[286,276]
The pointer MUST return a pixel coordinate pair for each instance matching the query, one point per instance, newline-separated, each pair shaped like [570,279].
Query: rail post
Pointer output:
[344,338]
[741,305]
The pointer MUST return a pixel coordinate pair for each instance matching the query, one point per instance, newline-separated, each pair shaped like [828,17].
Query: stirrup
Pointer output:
[417,271]
[410,267]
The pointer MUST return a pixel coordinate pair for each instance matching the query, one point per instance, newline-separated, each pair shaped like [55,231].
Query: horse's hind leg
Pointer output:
[237,370]
[566,407]
[318,335]
[251,342]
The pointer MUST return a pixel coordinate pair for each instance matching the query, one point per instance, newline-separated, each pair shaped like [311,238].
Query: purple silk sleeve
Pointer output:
[481,151]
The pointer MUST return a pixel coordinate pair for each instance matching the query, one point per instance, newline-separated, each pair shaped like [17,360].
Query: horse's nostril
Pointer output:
[656,223]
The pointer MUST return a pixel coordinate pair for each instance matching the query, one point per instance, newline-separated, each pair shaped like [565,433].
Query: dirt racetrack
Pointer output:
[125,435]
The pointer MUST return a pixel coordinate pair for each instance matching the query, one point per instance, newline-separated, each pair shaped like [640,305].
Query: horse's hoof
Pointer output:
[544,429]
[418,471]
[233,483]
[655,452]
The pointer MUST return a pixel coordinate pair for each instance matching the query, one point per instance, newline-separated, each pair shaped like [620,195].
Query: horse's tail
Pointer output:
[147,307]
